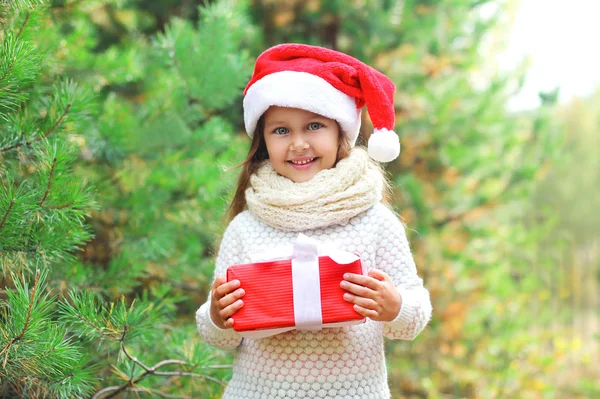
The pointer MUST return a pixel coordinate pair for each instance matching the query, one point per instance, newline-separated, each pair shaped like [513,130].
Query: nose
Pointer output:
[299,143]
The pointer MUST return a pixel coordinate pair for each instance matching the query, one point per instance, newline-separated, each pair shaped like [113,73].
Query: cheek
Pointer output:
[331,158]
[269,144]
[332,145]
[276,149]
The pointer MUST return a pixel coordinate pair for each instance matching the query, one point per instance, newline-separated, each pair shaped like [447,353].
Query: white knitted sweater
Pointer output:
[335,363]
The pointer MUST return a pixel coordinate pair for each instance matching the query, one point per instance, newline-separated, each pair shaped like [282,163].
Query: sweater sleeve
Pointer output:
[230,252]
[394,258]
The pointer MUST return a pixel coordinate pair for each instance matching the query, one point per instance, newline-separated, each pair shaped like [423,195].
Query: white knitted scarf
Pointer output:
[333,196]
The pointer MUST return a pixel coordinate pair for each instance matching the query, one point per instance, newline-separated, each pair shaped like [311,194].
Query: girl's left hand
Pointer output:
[374,296]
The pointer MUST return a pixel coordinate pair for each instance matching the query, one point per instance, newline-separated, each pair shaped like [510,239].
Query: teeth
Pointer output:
[303,162]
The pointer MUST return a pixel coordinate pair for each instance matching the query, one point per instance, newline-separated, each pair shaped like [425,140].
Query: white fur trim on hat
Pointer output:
[384,145]
[305,91]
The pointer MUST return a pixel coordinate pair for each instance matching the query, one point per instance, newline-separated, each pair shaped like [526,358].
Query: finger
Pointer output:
[225,288]
[360,301]
[378,275]
[365,281]
[231,297]
[228,323]
[230,310]
[218,281]
[365,312]
[358,290]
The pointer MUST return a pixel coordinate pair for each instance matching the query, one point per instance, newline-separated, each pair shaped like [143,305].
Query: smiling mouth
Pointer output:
[303,162]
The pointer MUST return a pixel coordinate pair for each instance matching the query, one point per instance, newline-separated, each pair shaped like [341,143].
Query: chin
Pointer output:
[302,179]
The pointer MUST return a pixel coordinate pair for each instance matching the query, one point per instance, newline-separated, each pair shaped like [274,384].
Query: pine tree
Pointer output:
[112,196]
[42,210]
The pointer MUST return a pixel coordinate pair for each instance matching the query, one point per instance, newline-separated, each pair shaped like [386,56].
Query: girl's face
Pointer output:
[300,143]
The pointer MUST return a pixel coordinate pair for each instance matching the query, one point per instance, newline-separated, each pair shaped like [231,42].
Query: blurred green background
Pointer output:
[120,129]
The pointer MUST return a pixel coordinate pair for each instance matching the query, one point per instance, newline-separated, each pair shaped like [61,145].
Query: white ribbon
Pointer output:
[286,251]
[304,254]
[306,284]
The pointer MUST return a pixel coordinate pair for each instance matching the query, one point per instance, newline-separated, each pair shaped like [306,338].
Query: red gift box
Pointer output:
[269,294]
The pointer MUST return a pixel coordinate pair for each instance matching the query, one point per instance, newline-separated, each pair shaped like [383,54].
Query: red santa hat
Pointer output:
[328,83]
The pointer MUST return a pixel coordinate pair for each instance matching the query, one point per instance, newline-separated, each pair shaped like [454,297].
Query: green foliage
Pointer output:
[575,176]
[14,77]
[121,258]
[42,207]
[32,345]
[159,164]
[565,204]
[43,211]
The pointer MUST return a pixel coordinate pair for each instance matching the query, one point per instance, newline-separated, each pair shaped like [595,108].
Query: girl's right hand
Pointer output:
[225,301]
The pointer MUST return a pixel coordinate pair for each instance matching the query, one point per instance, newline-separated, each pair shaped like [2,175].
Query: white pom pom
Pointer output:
[384,145]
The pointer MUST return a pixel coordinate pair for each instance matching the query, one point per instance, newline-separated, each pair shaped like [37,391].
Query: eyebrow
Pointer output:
[313,117]
[276,123]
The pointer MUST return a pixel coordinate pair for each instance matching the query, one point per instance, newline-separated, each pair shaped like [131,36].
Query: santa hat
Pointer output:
[328,83]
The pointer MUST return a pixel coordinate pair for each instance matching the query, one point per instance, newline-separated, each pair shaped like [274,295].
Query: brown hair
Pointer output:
[257,153]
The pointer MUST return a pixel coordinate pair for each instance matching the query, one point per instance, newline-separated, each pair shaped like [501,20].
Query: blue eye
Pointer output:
[281,131]
[314,126]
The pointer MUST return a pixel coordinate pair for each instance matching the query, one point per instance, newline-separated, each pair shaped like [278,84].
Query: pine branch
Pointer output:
[155,391]
[129,385]
[43,136]
[12,203]
[8,71]
[152,370]
[58,122]
[49,184]
[18,337]
[33,290]
[10,147]
[23,24]
[26,249]
[55,207]
[90,324]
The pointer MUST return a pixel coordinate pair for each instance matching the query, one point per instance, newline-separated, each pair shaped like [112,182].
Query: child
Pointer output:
[302,110]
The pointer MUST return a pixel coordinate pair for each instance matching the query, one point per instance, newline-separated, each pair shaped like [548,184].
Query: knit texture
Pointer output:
[332,196]
[334,363]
